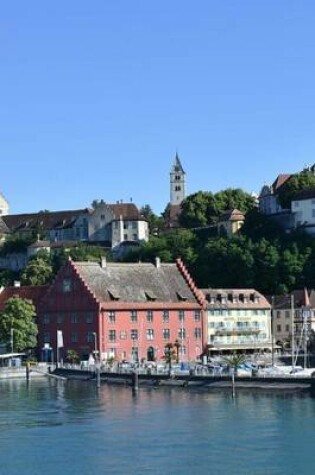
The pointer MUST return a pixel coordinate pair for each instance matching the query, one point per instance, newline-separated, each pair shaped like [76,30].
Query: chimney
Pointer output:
[157,262]
[103,262]
[16,283]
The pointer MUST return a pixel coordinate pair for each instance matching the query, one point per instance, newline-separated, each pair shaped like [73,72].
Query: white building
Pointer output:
[303,210]
[237,319]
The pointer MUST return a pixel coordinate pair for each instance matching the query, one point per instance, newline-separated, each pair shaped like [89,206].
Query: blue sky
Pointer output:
[97,96]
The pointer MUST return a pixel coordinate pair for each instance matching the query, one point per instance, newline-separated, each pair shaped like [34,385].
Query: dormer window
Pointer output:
[150,295]
[113,295]
[181,296]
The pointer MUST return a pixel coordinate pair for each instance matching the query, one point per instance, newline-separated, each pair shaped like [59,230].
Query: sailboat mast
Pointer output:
[292,332]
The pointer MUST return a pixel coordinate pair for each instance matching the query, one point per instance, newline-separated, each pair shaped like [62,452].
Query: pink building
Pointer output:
[128,311]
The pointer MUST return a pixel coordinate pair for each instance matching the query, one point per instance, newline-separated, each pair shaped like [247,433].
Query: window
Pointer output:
[166,316]
[197,315]
[74,337]
[46,319]
[134,237]
[150,334]
[89,317]
[287,328]
[278,314]
[111,316]
[287,314]
[46,337]
[126,225]
[182,350]
[66,285]
[149,316]
[166,333]
[125,237]
[296,204]
[59,318]
[182,333]
[313,213]
[90,337]
[74,318]
[112,335]
[123,335]
[278,328]
[197,333]
[134,335]
[134,316]
[181,315]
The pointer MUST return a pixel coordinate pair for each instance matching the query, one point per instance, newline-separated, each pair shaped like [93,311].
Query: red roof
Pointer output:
[30,292]
[279,181]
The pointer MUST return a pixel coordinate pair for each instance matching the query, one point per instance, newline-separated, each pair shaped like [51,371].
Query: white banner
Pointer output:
[59,339]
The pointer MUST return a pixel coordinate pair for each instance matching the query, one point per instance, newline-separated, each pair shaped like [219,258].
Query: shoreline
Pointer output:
[209,382]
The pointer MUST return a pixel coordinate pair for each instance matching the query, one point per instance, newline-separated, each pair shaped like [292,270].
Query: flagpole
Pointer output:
[57,352]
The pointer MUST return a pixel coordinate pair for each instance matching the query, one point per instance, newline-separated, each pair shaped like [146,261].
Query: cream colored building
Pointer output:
[230,222]
[237,319]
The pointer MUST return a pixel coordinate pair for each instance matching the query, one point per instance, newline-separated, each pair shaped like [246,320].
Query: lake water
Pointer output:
[52,427]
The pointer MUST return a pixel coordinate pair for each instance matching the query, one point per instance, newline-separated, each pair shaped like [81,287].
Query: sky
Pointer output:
[96,98]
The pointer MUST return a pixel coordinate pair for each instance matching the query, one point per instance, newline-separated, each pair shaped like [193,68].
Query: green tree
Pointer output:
[95,203]
[233,198]
[156,223]
[267,259]
[72,356]
[17,321]
[258,226]
[203,208]
[39,271]
[198,210]
[298,182]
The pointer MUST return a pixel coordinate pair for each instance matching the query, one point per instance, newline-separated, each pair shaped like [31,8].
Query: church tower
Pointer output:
[177,182]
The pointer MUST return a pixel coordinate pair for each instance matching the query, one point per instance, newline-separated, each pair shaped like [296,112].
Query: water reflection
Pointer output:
[73,427]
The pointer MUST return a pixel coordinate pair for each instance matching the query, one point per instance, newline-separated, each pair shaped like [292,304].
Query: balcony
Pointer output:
[249,330]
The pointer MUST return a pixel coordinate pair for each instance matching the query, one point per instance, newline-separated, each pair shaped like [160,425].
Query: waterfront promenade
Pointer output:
[287,382]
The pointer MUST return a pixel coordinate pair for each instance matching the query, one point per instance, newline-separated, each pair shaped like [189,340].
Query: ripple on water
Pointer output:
[74,429]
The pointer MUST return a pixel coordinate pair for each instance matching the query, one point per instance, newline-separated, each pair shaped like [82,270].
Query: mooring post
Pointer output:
[28,370]
[135,380]
[98,374]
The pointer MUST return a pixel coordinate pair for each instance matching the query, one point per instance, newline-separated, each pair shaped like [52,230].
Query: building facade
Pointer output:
[107,224]
[230,222]
[237,320]
[125,311]
[303,210]
[293,317]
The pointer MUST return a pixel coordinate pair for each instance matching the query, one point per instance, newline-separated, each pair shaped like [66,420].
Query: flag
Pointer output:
[59,339]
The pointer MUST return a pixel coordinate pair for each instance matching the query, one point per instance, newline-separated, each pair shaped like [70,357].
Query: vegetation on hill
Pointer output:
[298,182]
[261,256]
[204,208]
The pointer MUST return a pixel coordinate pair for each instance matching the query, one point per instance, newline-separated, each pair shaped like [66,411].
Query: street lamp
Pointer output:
[97,362]
[95,345]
